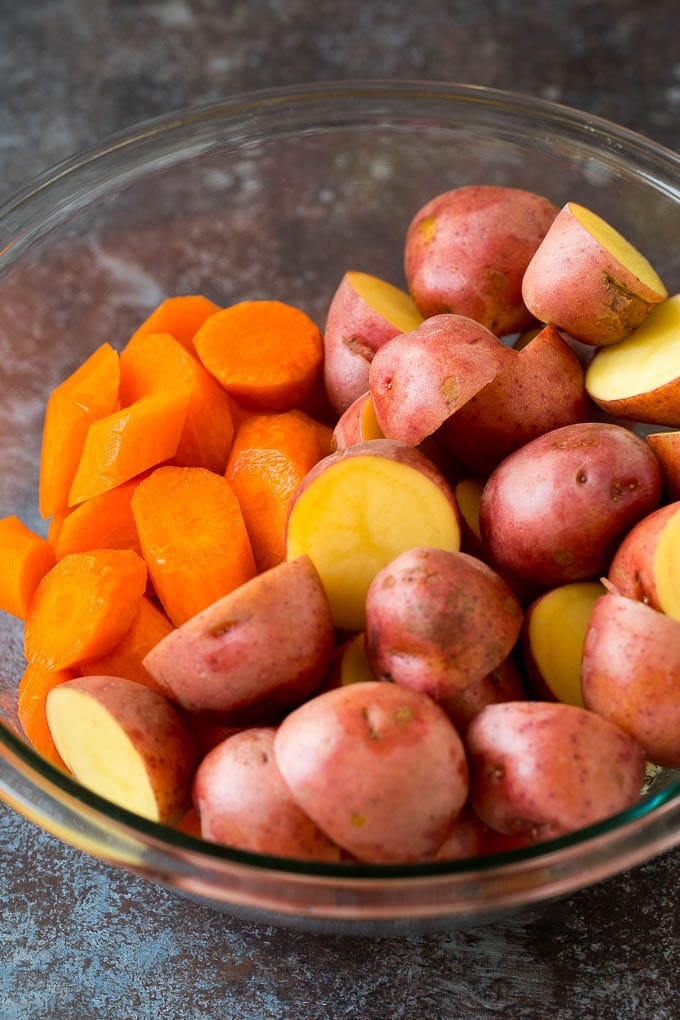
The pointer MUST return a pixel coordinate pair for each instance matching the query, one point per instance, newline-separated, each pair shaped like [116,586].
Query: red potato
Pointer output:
[125,742]
[379,768]
[243,802]
[587,279]
[365,312]
[556,509]
[359,508]
[645,566]
[553,634]
[357,424]
[639,378]
[417,380]
[238,652]
[439,621]
[467,249]
[466,840]
[630,674]
[542,769]
[540,389]
[505,683]
[666,448]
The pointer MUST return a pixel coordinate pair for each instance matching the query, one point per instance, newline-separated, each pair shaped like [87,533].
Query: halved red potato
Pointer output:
[357,424]
[666,448]
[646,565]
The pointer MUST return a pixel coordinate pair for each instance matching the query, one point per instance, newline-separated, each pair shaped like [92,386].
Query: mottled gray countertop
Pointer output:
[80,940]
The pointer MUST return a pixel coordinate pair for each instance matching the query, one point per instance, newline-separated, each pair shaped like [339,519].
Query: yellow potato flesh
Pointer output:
[393,304]
[369,423]
[622,250]
[98,751]
[557,630]
[645,360]
[667,568]
[468,498]
[356,517]
[354,665]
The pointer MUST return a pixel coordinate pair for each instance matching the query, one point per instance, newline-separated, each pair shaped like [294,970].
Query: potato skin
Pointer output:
[439,621]
[505,683]
[632,569]
[556,509]
[243,802]
[543,769]
[630,674]
[467,249]
[238,652]
[378,767]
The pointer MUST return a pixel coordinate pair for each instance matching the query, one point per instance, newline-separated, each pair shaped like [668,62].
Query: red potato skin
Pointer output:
[505,683]
[466,839]
[349,429]
[438,621]
[237,653]
[666,448]
[243,802]
[418,379]
[630,674]
[541,388]
[632,568]
[544,769]
[466,252]
[578,286]
[556,509]
[379,768]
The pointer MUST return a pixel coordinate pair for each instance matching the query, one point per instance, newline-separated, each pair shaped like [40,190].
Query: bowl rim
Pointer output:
[56,786]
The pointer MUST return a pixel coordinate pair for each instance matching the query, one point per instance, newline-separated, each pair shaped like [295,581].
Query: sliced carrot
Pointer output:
[154,363]
[90,393]
[54,527]
[180,317]
[34,686]
[149,626]
[193,537]
[83,607]
[265,353]
[127,443]
[25,558]
[103,522]
[270,456]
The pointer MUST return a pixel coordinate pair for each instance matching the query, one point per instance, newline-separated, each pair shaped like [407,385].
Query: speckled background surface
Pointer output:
[79,940]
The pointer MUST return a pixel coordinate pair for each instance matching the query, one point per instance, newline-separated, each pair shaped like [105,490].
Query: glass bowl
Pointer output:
[274,195]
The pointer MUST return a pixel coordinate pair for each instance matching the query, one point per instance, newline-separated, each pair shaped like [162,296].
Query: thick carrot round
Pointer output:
[34,687]
[83,607]
[179,316]
[90,393]
[193,537]
[270,456]
[266,353]
[149,626]
[25,558]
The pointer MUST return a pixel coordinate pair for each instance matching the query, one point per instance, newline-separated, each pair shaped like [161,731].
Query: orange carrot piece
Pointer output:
[270,456]
[179,316]
[89,394]
[265,353]
[193,537]
[127,443]
[54,527]
[149,626]
[25,558]
[83,607]
[156,363]
[34,686]
[102,522]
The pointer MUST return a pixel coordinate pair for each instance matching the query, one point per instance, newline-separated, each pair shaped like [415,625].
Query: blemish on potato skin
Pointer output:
[357,345]
[427,229]
[223,627]
[450,389]
[357,820]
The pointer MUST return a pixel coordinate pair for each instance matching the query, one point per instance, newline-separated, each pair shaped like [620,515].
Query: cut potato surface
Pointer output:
[618,246]
[393,304]
[667,567]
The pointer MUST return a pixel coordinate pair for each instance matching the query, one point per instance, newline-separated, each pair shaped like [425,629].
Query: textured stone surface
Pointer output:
[81,940]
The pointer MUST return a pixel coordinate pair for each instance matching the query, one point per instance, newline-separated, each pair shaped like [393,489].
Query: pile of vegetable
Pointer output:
[406,590]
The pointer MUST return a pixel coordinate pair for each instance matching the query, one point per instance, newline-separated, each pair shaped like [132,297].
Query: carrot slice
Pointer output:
[270,456]
[54,527]
[25,558]
[90,393]
[154,363]
[179,316]
[34,686]
[265,353]
[83,607]
[102,522]
[193,537]
[149,626]
[125,444]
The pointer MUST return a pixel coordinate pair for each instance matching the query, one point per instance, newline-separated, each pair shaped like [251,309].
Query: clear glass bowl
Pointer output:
[275,195]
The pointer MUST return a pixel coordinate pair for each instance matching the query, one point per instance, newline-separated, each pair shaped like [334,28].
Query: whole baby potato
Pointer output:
[543,769]
[467,250]
[439,621]
[555,510]
[379,768]
[243,802]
